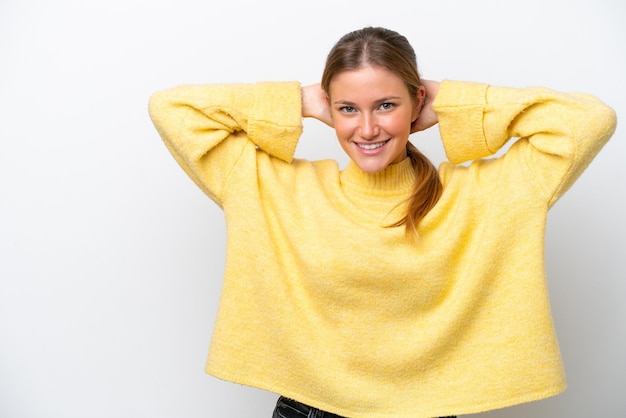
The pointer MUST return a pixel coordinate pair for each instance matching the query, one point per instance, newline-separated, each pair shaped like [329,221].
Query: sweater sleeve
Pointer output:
[208,127]
[557,134]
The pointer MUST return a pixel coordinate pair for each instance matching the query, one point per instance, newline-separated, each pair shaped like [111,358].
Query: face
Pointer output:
[372,113]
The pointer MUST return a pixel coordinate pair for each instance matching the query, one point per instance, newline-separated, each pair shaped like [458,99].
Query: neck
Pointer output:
[394,179]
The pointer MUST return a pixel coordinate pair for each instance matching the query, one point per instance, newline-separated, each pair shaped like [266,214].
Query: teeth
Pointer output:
[370,146]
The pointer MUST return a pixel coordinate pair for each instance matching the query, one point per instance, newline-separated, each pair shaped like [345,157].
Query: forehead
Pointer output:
[367,83]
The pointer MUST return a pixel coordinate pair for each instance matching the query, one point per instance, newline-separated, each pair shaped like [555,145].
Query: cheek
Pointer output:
[401,124]
[343,129]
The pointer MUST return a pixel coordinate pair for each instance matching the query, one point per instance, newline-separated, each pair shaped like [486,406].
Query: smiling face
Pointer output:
[372,113]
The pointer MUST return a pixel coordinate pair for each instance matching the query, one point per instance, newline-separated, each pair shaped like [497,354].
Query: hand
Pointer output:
[427,116]
[315,104]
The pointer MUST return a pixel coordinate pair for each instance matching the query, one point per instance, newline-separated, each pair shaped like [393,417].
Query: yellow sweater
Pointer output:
[324,304]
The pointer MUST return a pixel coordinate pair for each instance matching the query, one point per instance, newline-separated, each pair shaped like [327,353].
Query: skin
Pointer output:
[372,113]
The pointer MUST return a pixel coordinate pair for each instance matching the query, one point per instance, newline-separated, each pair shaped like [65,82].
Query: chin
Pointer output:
[372,168]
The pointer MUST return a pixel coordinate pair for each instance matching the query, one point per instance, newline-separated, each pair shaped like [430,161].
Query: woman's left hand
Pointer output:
[427,116]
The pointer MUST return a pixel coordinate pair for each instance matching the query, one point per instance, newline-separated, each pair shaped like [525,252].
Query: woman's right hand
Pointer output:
[315,104]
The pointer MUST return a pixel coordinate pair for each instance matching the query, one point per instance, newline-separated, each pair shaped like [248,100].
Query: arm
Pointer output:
[195,122]
[559,134]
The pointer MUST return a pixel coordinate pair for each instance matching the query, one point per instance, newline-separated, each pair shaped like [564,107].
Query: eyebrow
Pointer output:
[381,100]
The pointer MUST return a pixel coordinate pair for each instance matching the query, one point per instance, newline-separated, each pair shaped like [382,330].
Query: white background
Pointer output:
[111,258]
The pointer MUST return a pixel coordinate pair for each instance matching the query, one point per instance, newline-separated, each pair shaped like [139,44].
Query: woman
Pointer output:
[389,288]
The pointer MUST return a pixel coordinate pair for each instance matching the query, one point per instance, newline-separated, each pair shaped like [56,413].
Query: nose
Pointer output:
[368,128]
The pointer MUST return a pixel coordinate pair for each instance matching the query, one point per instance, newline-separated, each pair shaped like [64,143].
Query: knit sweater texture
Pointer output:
[324,303]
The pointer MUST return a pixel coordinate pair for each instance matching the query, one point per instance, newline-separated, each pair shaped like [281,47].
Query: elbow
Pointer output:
[611,116]
[606,121]
[156,106]
[600,120]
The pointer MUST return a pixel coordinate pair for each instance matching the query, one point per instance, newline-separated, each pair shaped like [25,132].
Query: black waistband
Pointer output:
[306,409]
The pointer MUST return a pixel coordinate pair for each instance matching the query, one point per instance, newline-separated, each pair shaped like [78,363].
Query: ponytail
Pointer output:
[426,192]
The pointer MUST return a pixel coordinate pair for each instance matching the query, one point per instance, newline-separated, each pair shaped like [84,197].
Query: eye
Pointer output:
[387,106]
[347,109]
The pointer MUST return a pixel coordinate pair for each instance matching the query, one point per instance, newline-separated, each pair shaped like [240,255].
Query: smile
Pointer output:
[373,146]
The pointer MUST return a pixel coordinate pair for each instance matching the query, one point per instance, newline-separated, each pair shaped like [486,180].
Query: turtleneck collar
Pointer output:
[396,179]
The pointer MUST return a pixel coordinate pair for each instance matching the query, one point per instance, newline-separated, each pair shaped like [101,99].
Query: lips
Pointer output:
[371,146]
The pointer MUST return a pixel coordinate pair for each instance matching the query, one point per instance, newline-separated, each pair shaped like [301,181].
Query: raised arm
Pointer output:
[195,122]
[559,133]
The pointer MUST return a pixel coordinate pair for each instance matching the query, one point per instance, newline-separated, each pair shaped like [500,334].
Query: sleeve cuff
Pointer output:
[460,107]
[275,123]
